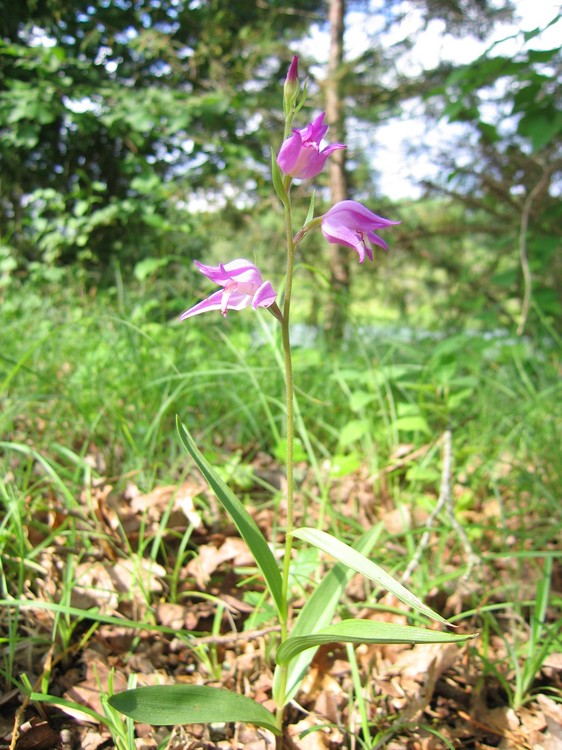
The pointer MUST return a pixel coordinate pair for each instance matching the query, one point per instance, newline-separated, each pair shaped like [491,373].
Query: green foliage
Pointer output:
[95,392]
[507,175]
[532,82]
[318,612]
[190,704]
[364,631]
[244,522]
[360,564]
[109,123]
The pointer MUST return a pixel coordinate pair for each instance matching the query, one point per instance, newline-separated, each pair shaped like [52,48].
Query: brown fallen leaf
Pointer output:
[308,735]
[210,557]
[552,712]
[171,615]
[136,576]
[87,692]
[37,735]
[181,497]
[94,586]
[92,739]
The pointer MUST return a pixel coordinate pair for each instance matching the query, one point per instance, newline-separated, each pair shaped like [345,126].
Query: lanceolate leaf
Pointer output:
[317,613]
[190,704]
[244,522]
[310,214]
[356,561]
[364,631]
[278,180]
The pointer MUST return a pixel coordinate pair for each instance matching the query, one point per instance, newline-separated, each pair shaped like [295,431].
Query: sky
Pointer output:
[390,156]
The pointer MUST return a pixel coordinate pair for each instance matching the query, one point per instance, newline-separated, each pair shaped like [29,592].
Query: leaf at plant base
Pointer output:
[364,631]
[244,522]
[356,561]
[190,704]
[317,613]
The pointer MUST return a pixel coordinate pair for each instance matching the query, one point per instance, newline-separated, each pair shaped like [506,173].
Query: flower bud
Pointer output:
[291,86]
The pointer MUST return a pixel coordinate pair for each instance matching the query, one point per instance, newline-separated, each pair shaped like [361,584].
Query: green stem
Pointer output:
[289,398]
[290,425]
[288,123]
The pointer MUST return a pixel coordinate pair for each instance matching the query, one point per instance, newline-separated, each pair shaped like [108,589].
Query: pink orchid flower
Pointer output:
[351,224]
[242,286]
[300,154]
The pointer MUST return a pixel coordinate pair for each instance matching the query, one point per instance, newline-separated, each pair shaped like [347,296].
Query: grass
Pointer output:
[90,388]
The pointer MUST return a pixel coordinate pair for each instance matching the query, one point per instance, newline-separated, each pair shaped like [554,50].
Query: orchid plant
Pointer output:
[350,224]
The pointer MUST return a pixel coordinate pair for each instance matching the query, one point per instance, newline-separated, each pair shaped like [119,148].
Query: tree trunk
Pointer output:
[336,309]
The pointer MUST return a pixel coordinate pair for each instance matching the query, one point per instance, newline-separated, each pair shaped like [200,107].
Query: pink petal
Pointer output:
[342,235]
[265,296]
[289,152]
[211,303]
[239,269]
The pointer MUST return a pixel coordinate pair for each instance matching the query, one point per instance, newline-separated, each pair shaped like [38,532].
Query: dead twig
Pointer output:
[224,640]
[444,501]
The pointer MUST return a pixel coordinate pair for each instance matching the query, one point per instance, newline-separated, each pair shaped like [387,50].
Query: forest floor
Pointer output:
[197,618]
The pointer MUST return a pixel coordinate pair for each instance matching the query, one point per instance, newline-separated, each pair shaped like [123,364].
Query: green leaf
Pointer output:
[278,180]
[541,126]
[542,55]
[310,214]
[415,423]
[343,464]
[353,431]
[144,268]
[244,522]
[356,561]
[318,612]
[190,704]
[360,399]
[364,631]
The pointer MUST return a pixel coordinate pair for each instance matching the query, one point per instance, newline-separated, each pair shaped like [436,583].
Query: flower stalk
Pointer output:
[301,156]
[290,437]
[289,402]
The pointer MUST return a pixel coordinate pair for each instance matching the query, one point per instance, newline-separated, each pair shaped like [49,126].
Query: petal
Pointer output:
[309,164]
[211,303]
[331,148]
[240,270]
[289,152]
[215,273]
[265,296]
[293,74]
[342,235]
[376,240]
[316,130]
[235,301]
[359,216]
[243,272]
